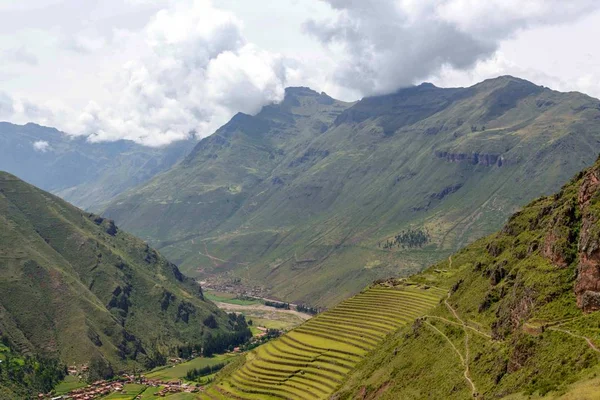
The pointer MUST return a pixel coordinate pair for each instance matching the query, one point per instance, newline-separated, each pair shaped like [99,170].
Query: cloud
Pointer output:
[7,108]
[387,44]
[19,55]
[83,43]
[41,146]
[198,72]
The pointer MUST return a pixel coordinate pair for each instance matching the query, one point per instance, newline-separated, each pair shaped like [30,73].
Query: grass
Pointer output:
[130,391]
[179,371]
[101,283]
[70,383]
[311,361]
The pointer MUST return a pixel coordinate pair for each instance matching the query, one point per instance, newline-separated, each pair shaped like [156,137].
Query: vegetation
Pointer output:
[410,238]
[313,359]
[25,376]
[195,373]
[307,309]
[77,288]
[307,188]
[520,318]
[179,371]
[277,304]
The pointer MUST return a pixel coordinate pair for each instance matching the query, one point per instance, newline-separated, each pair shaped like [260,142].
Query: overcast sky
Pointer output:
[154,70]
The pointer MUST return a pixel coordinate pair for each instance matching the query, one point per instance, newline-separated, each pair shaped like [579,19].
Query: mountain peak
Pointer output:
[300,91]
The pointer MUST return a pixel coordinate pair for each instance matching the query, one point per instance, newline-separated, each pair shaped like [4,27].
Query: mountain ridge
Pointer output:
[84,173]
[357,175]
[75,286]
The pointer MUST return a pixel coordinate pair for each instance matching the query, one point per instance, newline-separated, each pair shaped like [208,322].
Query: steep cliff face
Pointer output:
[587,287]
[487,160]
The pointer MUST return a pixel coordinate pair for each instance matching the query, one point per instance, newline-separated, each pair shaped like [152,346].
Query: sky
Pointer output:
[156,71]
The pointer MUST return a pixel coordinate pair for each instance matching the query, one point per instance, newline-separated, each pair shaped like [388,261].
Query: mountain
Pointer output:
[514,315]
[83,173]
[73,286]
[521,317]
[312,198]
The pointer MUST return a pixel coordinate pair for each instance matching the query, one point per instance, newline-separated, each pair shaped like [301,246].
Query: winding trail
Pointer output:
[588,340]
[487,336]
[462,359]
[465,327]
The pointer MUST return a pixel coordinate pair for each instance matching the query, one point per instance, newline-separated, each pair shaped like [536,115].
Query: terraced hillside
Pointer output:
[521,320]
[311,361]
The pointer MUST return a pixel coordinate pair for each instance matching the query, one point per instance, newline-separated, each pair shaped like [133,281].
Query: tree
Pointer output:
[99,369]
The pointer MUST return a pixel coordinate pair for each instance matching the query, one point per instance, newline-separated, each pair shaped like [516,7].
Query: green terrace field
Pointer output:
[311,361]
[177,372]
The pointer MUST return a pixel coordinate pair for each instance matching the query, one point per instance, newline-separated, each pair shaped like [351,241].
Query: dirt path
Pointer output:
[261,307]
[462,359]
[588,340]
[215,259]
[465,330]
[487,336]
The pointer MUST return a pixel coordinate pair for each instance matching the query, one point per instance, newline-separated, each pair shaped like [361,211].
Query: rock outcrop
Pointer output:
[587,286]
[474,158]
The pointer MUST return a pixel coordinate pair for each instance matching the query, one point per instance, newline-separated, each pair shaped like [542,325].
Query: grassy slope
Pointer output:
[73,285]
[523,333]
[297,198]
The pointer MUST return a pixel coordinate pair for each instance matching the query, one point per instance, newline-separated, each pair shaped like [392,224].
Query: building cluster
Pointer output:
[176,387]
[100,389]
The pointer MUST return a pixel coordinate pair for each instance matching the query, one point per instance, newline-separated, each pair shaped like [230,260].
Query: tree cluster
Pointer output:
[196,373]
[410,238]
[270,334]
[306,309]
[30,375]
[276,304]
[99,369]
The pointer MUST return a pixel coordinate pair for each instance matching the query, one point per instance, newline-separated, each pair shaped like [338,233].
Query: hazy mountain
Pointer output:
[73,285]
[302,198]
[85,174]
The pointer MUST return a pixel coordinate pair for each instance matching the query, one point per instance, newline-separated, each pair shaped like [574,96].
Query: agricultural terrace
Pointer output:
[311,361]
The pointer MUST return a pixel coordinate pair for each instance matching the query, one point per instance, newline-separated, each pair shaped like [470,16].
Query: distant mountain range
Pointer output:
[83,173]
[313,198]
[74,286]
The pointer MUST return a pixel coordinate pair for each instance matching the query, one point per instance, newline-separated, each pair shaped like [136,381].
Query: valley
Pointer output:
[345,254]
[297,201]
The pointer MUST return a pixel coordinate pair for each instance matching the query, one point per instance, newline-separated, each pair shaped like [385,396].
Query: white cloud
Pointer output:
[152,71]
[84,43]
[388,44]
[200,71]
[19,55]
[41,146]
[6,106]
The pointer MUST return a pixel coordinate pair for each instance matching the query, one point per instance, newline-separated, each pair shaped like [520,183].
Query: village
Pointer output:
[104,388]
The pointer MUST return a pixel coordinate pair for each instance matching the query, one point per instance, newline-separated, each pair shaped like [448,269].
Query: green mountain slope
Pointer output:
[521,317]
[85,174]
[74,286]
[302,198]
